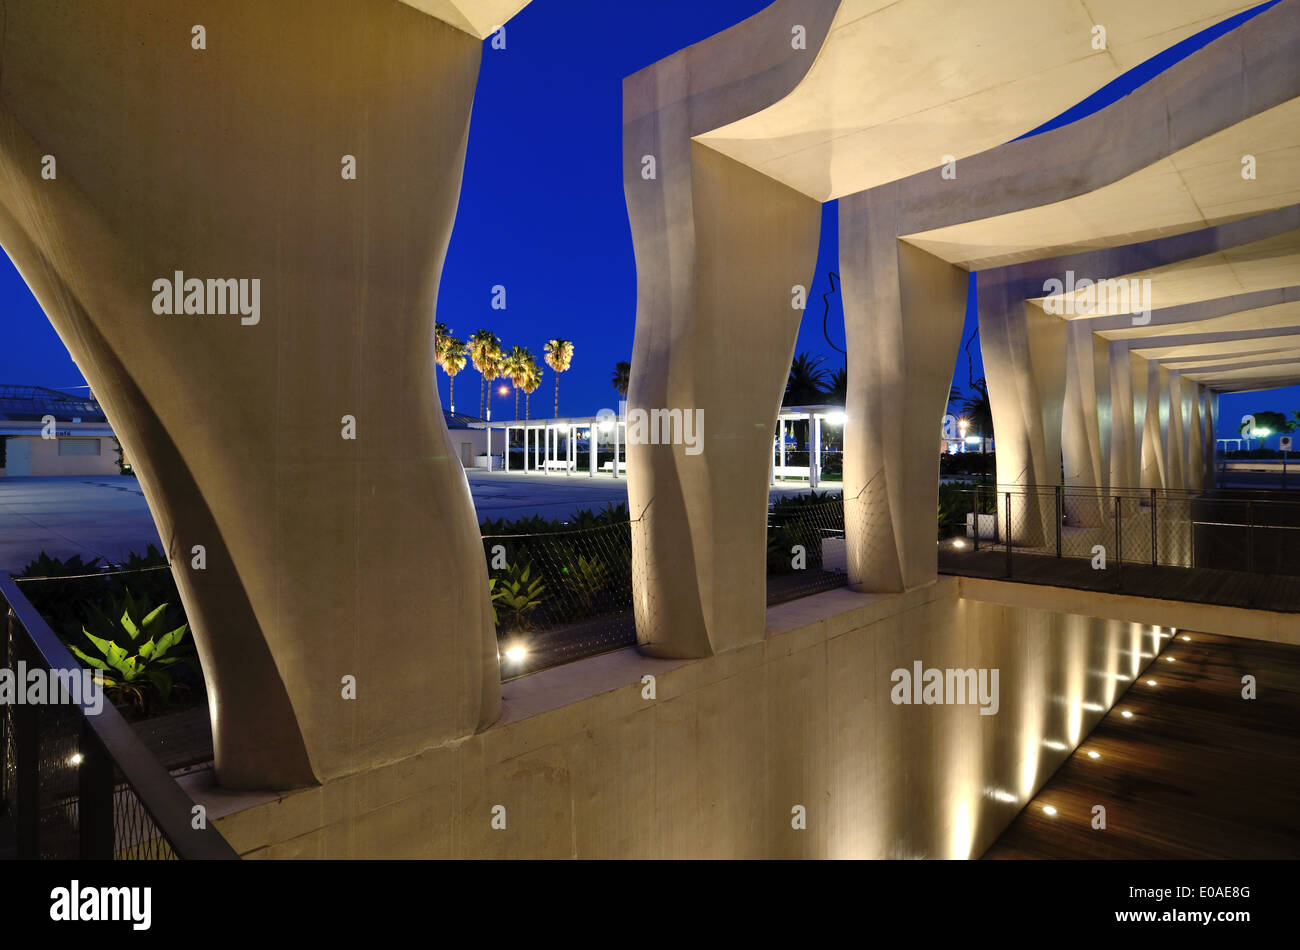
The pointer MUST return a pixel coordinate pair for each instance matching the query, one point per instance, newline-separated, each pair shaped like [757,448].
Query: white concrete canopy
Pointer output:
[857,120]
[899,85]
[478,18]
[1196,187]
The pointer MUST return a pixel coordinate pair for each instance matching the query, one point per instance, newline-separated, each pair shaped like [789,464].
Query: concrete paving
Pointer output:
[106,516]
[94,516]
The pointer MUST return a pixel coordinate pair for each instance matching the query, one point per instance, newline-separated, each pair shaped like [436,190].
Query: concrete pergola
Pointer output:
[545,436]
[746,148]
[304,454]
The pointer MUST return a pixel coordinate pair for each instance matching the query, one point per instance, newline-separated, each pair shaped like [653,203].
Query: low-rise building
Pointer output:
[48,432]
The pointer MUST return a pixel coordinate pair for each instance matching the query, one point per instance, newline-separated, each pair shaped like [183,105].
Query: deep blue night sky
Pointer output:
[542,207]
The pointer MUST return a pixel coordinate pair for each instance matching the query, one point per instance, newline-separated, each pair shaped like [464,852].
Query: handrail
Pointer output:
[1220,493]
[1207,495]
[163,799]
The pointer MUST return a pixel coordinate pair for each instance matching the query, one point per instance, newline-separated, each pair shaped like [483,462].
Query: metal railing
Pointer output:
[75,780]
[1246,541]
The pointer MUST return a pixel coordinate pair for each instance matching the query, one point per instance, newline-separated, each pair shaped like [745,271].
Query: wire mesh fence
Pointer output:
[75,780]
[1217,546]
[560,595]
[806,548]
[564,594]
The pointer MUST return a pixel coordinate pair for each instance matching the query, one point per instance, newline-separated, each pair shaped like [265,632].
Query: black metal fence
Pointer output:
[1234,546]
[75,779]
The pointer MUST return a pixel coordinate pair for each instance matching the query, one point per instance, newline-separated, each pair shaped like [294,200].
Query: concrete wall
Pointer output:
[587,767]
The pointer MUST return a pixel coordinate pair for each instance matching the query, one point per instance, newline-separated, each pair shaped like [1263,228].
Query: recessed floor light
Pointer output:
[1126,714]
[1169,659]
[1187,638]
[1049,811]
[1151,682]
[1094,755]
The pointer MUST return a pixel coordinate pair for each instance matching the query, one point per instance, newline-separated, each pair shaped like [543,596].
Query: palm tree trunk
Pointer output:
[451,382]
[516,404]
[482,384]
[527,397]
[557,395]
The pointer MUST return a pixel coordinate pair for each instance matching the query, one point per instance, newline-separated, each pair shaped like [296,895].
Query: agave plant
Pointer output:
[518,594]
[133,650]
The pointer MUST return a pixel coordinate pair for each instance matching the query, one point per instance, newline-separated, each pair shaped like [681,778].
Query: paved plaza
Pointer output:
[106,516]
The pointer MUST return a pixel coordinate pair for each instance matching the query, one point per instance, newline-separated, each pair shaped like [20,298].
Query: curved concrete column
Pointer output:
[903,313]
[719,249]
[1195,440]
[1124,447]
[1024,364]
[1155,434]
[1086,424]
[326,557]
[1176,441]
[1210,417]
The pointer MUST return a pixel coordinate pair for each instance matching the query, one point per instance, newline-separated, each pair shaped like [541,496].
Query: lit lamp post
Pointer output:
[505,452]
[962,426]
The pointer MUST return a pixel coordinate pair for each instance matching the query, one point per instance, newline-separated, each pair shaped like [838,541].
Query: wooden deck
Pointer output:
[1197,772]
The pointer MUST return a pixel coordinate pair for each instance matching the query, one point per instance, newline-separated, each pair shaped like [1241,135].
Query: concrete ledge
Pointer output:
[586,766]
[1207,618]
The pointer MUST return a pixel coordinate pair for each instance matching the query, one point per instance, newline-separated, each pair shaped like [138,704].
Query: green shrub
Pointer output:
[134,647]
[586,579]
[517,595]
[957,500]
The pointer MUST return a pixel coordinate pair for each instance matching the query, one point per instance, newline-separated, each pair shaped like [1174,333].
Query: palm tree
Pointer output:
[441,334]
[492,371]
[559,356]
[806,385]
[532,380]
[517,363]
[452,360]
[622,374]
[484,349]
[838,391]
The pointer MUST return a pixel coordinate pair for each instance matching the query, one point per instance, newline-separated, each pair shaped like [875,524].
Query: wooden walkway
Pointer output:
[1197,772]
